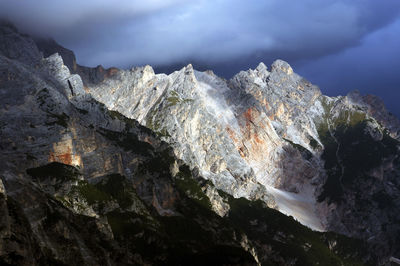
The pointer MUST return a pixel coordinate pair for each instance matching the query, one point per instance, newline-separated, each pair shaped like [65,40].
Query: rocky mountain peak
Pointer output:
[189,71]
[129,166]
[280,65]
[261,67]
[189,67]
[377,109]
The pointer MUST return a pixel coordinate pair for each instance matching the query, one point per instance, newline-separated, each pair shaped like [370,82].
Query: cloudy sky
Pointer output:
[340,45]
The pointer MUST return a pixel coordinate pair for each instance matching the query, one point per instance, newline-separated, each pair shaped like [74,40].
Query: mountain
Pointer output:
[108,166]
[331,163]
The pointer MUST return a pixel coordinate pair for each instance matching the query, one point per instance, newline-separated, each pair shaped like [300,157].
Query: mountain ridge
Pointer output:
[251,136]
[265,121]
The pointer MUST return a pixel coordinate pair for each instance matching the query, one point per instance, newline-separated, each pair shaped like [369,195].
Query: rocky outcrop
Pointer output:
[15,45]
[236,134]
[271,135]
[133,167]
[360,159]
[83,185]
[174,107]
[89,75]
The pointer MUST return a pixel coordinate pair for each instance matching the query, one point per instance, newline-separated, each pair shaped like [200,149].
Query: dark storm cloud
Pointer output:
[339,44]
[372,67]
[127,32]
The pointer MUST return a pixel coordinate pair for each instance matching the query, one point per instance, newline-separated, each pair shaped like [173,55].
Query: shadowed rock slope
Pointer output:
[330,162]
[81,183]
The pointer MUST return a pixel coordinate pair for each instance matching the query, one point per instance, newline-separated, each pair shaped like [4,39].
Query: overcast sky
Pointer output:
[339,45]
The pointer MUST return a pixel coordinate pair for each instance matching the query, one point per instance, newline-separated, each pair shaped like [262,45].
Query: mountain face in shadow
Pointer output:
[128,167]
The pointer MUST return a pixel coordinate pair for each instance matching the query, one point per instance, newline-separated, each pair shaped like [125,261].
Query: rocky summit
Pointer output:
[129,167]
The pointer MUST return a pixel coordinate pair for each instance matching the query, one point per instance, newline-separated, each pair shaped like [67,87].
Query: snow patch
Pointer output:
[300,206]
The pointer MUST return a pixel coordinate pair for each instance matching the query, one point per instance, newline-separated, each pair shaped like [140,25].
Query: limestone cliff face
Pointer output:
[272,135]
[83,185]
[133,167]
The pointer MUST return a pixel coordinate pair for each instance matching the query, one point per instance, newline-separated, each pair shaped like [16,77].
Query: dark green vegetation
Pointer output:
[194,231]
[187,185]
[361,162]
[131,202]
[151,216]
[57,170]
[127,141]
[173,99]
[351,152]
[303,151]
[54,172]
[154,124]
[194,234]
[313,143]
[60,119]
[360,153]
[189,231]
[22,237]
[289,239]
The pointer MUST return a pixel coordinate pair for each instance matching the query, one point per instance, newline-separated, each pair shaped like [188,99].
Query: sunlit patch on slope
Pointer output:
[211,89]
[300,206]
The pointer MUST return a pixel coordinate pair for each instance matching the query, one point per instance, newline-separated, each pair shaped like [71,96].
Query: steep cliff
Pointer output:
[329,162]
[134,167]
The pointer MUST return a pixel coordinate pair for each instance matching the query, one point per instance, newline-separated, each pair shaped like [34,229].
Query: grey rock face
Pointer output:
[224,129]
[49,47]
[268,136]
[17,46]
[180,109]
[260,135]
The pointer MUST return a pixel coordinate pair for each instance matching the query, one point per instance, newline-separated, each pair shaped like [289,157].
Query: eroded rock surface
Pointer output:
[272,135]
[133,167]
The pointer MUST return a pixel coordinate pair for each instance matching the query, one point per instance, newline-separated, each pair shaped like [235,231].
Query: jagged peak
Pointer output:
[261,71]
[148,70]
[186,69]
[189,70]
[261,67]
[280,65]
[56,58]
[57,65]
